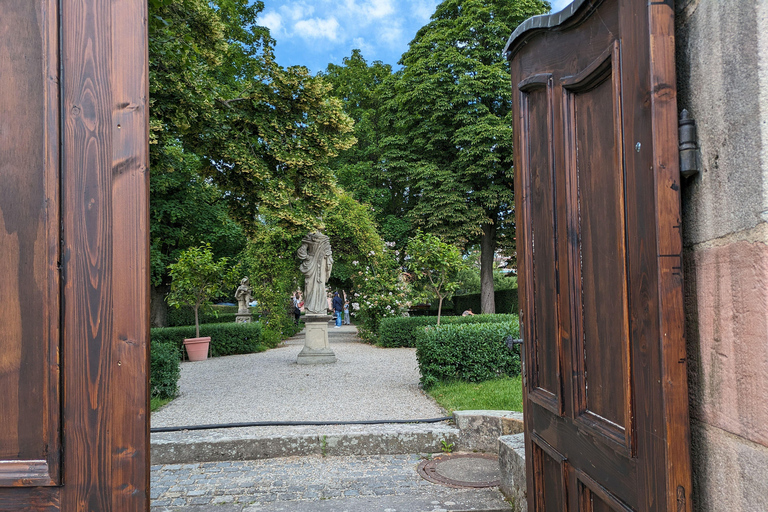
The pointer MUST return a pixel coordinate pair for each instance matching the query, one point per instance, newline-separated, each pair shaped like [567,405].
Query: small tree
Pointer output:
[195,279]
[435,265]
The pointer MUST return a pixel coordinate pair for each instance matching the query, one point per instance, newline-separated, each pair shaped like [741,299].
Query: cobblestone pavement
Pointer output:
[383,482]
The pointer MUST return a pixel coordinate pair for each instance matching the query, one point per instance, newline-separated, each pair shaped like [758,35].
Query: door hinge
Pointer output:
[690,155]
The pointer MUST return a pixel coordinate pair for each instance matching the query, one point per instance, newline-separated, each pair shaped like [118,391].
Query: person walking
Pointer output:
[346,313]
[296,307]
[338,305]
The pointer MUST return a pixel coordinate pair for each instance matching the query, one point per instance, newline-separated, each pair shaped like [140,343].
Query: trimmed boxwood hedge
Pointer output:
[178,317]
[505,300]
[467,352]
[164,359]
[402,331]
[226,339]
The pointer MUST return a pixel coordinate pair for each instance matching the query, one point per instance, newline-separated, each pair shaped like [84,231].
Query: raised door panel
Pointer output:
[29,242]
[598,256]
[544,373]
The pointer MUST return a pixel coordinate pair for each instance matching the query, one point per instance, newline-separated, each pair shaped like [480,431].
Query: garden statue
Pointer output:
[316,264]
[243,296]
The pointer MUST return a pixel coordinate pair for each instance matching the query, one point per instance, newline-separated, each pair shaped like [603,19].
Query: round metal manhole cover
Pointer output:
[462,470]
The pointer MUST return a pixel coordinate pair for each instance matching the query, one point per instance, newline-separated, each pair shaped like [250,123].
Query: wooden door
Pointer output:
[599,247]
[74,325]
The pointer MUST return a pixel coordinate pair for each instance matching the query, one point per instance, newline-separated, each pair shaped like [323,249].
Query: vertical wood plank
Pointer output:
[53,215]
[87,252]
[670,252]
[130,258]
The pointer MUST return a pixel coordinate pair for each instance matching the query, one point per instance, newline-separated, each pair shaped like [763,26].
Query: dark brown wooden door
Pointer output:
[597,198]
[74,327]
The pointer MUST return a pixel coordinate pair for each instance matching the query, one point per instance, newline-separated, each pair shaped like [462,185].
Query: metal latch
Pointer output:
[690,156]
[511,342]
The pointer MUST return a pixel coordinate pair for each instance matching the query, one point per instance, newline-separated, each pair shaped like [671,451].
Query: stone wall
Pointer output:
[722,60]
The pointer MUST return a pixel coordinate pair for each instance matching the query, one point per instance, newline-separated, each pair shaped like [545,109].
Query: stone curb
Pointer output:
[474,431]
[188,447]
[480,430]
[512,467]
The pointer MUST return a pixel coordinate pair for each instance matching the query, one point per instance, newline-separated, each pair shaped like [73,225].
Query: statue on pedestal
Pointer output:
[243,296]
[316,264]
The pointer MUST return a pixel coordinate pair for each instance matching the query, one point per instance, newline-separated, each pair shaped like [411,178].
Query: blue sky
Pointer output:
[313,33]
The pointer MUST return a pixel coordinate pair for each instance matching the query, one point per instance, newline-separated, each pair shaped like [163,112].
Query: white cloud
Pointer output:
[390,33]
[317,28]
[297,10]
[424,9]
[273,21]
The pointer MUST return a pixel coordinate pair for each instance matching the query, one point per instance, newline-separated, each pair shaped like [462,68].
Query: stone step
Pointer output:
[473,431]
[256,443]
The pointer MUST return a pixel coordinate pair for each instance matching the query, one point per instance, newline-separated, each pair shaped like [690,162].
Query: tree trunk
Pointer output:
[197,322]
[439,310]
[158,308]
[487,250]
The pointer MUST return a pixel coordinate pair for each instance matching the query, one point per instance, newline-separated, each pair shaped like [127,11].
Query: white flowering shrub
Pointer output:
[380,291]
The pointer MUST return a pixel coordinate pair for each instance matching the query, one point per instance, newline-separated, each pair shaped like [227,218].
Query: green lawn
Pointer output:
[156,403]
[505,394]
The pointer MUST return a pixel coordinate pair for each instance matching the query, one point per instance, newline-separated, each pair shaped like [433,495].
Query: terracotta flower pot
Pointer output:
[197,348]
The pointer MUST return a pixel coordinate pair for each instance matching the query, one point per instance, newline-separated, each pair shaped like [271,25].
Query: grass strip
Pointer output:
[503,394]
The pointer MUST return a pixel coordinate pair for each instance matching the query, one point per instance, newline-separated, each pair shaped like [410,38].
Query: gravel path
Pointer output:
[366,383]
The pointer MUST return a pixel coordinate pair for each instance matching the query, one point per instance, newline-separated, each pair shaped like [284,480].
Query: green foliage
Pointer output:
[156,403]
[353,235]
[506,302]
[403,331]
[449,114]
[360,169]
[503,394]
[196,279]
[164,370]
[435,266]
[380,291]
[233,136]
[470,352]
[269,260]
[226,339]
[186,316]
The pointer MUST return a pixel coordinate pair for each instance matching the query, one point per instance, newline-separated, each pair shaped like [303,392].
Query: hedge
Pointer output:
[164,369]
[505,300]
[469,352]
[226,339]
[402,331]
[178,317]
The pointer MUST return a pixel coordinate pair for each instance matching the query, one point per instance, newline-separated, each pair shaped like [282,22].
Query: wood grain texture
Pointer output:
[29,222]
[622,426]
[74,239]
[670,252]
[130,259]
[105,255]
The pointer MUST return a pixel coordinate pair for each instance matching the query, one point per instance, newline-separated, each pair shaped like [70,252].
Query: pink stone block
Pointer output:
[727,315]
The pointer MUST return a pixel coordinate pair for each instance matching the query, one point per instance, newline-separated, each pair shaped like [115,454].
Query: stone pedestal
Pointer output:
[243,318]
[316,348]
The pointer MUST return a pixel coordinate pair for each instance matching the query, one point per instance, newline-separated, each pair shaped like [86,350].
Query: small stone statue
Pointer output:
[316,264]
[243,296]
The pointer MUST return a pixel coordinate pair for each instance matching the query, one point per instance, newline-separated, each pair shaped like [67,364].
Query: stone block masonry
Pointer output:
[722,63]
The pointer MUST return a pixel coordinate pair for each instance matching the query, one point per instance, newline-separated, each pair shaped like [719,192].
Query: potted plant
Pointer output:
[195,279]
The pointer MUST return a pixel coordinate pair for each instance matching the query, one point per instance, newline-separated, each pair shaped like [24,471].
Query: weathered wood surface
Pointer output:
[29,225]
[599,259]
[84,211]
